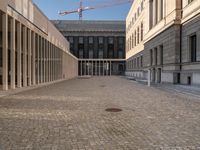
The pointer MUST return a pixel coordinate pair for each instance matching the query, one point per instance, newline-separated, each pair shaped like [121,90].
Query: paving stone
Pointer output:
[71,115]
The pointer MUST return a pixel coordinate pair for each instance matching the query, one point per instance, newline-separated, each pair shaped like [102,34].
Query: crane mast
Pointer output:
[82,8]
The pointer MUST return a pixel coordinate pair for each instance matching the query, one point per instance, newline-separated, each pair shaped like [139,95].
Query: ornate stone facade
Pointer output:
[170,47]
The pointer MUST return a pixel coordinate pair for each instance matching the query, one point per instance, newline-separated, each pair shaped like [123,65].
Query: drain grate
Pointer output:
[113,110]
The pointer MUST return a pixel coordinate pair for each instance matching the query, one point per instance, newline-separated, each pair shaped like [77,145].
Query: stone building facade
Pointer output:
[99,45]
[32,50]
[171,43]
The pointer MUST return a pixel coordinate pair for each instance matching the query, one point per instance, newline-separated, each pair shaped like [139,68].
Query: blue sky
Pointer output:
[51,8]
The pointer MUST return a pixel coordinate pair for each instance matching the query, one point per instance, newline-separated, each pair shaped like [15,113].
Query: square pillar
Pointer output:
[81,68]
[33,58]
[99,68]
[48,61]
[44,61]
[12,58]
[92,67]
[103,68]
[5,51]
[38,59]
[88,67]
[41,59]
[110,68]
[29,57]
[96,68]
[19,55]
[24,56]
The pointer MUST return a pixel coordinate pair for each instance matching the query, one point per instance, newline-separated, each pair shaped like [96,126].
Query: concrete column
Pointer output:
[41,59]
[99,67]
[110,68]
[103,68]
[5,51]
[88,65]
[92,68]
[19,67]
[48,67]
[44,60]
[85,72]
[106,68]
[12,59]
[24,56]
[33,60]
[54,63]
[149,77]
[49,51]
[81,67]
[38,59]
[96,68]
[29,57]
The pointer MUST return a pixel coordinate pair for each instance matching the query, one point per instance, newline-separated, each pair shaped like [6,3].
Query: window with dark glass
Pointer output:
[100,40]
[110,40]
[189,1]
[80,40]
[141,31]
[151,57]
[138,35]
[90,40]
[161,54]
[193,48]
[71,40]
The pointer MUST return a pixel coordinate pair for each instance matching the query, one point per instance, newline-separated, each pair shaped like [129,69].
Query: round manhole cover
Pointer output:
[113,109]
[102,85]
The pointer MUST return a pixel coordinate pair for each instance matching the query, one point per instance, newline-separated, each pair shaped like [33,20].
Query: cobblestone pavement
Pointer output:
[71,115]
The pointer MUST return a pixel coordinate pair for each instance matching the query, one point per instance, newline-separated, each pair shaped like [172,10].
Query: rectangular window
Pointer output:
[142,5]
[135,38]
[138,11]
[193,48]
[80,53]
[161,54]
[141,31]
[71,39]
[90,40]
[190,1]
[100,40]
[90,53]
[100,53]
[138,35]
[151,57]
[120,54]
[155,55]
[110,40]
[80,40]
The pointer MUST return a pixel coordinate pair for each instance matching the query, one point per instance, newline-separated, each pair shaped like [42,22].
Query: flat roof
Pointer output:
[90,25]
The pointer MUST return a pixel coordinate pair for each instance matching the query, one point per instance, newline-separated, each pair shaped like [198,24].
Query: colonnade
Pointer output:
[27,56]
[95,67]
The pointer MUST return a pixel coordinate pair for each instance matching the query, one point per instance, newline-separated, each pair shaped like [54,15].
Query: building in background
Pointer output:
[32,50]
[163,38]
[99,45]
